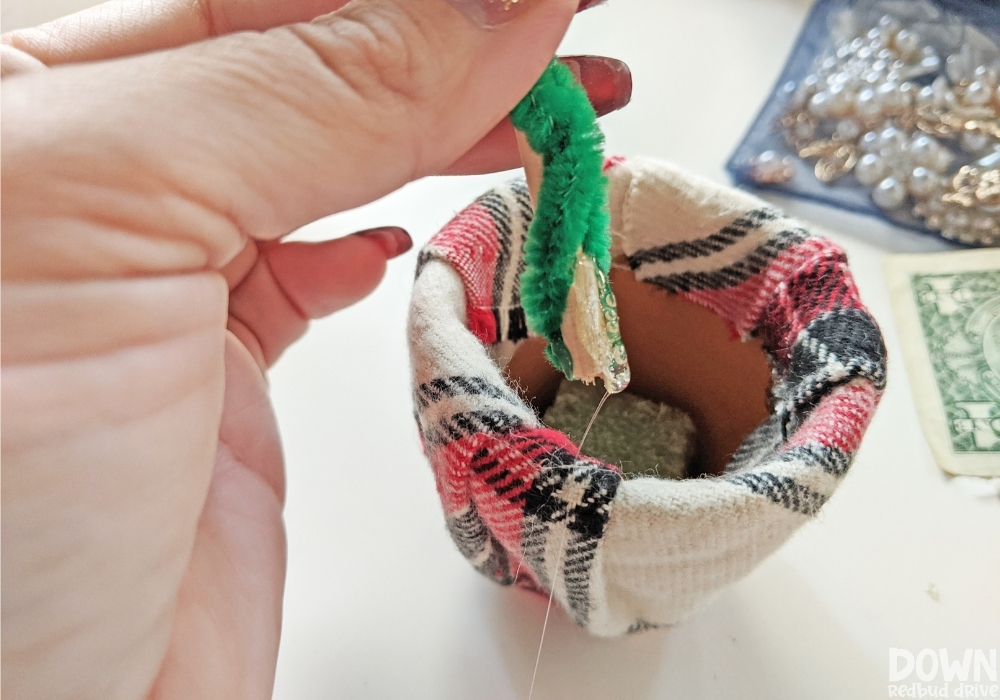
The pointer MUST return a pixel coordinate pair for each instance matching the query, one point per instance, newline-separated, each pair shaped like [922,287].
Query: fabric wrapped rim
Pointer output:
[624,555]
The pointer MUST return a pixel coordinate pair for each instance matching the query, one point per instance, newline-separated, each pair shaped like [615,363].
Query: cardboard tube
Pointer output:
[533,165]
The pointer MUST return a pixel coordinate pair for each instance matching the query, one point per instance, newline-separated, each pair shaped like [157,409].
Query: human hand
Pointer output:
[147,179]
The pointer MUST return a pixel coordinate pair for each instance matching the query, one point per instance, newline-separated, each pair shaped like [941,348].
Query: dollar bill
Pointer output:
[947,311]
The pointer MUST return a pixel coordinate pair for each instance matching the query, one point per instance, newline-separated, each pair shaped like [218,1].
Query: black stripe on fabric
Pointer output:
[458,385]
[423,258]
[782,490]
[497,565]
[837,346]
[517,325]
[757,446]
[494,203]
[576,578]
[462,425]
[642,626]
[585,520]
[469,532]
[525,209]
[734,274]
[703,247]
[834,349]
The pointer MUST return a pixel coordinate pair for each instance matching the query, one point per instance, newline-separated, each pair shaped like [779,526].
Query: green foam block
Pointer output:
[643,437]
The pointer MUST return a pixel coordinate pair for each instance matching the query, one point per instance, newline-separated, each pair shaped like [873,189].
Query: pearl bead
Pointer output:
[769,168]
[888,24]
[804,130]
[892,98]
[848,129]
[930,64]
[959,66]
[889,194]
[988,74]
[942,160]
[869,142]
[973,141]
[925,98]
[908,42]
[819,105]
[990,160]
[891,141]
[978,93]
[870,169]
[866,105]
[839,99]
[922,182]
[924,150]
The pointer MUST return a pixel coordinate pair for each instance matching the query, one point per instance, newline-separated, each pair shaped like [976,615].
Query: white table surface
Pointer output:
[379,603]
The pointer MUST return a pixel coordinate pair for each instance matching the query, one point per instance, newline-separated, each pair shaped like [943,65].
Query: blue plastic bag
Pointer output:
[889,108]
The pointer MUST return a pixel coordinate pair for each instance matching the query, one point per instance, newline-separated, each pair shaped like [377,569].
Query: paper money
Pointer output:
[947,310]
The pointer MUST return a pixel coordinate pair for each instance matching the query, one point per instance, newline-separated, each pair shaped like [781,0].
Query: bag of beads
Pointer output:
[891,108]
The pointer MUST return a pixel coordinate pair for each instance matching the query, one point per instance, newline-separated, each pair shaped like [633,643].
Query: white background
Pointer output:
[379,604]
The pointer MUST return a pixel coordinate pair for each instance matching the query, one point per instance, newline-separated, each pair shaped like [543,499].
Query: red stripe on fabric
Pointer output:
[483,325]
[612,161]
[470,243]
[772,299]
[514,461]
[451,472]
[494,471]
[840,419]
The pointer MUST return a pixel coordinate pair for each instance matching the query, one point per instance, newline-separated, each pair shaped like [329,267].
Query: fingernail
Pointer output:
[587,4]
[608,81]
[491,13]
[394,240]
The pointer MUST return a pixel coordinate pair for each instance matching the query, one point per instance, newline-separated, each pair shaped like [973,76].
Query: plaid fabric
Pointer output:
[521,503]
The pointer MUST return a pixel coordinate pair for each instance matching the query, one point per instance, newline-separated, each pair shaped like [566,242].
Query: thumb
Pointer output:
[257,133]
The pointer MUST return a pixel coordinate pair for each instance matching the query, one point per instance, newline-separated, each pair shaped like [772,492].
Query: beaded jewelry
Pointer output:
[908,107]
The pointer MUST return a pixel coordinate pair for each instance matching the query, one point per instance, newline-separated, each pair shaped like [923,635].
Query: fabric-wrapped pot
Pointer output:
[780,414]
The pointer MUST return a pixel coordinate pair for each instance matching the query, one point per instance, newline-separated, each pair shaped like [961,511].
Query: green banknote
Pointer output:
[947,309]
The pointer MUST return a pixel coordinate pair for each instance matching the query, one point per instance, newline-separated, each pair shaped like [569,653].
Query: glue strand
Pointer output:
[548,609]
[593,418]
[562,544]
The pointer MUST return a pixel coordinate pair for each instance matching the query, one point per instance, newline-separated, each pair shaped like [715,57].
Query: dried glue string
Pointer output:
[548,607]
[565,290]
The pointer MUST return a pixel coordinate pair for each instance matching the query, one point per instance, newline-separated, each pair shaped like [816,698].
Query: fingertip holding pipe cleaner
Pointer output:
[565,289]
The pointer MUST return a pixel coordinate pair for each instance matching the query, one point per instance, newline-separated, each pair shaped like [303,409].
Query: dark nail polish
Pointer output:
[587,4]
[393,240]
[608,81]
[491,13]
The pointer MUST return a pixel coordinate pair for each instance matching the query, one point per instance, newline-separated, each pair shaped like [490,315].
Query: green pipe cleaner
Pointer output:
[571,213]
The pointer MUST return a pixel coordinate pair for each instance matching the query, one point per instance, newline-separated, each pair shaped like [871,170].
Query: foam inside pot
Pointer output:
[681,354]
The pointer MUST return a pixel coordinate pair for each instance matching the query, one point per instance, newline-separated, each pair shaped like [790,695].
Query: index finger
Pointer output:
[120,28]
[127,27]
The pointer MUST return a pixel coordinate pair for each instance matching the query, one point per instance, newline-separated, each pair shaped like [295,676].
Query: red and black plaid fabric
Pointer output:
[520,501]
